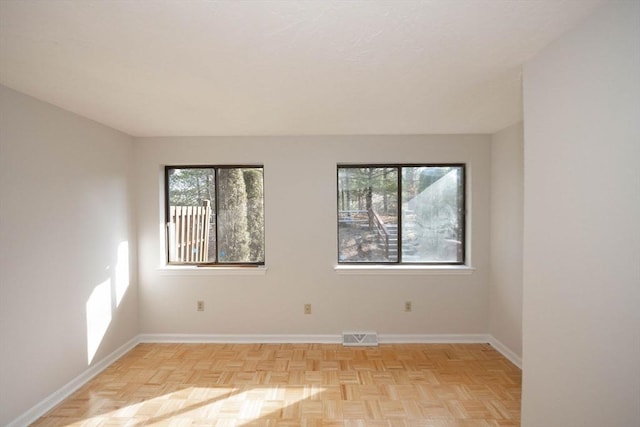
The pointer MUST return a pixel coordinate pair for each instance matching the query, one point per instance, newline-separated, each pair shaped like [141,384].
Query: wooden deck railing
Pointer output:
[377,224]
[188,233]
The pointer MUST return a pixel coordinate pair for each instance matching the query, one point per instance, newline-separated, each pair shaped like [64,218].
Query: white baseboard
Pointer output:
[505,351]
[65,391]
[239,339]
[55,398]
[312,339]
[433,338]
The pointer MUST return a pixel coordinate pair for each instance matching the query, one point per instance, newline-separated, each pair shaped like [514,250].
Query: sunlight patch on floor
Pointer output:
[238,405]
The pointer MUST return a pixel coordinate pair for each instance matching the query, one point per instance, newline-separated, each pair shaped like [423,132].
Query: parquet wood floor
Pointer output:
[308,385]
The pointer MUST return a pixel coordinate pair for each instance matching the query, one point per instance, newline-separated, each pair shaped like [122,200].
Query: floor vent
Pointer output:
[361,339]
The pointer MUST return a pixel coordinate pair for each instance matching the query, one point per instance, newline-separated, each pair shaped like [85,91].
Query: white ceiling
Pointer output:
[196,67]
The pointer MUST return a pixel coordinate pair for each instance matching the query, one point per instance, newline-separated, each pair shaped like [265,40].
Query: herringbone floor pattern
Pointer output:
[298,385]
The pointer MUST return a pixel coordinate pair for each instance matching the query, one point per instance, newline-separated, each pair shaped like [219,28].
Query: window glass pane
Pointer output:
[432,214]
[191,226]
[368,214]
[240,215]
[253,178]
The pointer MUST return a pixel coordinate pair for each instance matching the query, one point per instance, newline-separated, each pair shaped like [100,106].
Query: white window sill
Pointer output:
[442,270]
[190,270]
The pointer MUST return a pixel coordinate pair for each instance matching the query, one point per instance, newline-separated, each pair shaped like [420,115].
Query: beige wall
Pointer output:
[301,241]
[66,211]
[581,232]
[505,291]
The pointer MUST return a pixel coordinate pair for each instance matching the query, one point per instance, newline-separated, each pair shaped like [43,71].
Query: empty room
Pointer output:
[320,213]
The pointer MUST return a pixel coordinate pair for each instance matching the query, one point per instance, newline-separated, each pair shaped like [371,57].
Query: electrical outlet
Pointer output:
[200,306]
[307,309]
[407,306]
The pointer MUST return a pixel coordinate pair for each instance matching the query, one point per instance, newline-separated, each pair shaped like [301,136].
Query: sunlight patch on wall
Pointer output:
[98,317]
[122,272]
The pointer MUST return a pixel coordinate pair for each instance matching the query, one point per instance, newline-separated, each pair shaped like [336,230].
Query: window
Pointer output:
[215,215]
[401,214]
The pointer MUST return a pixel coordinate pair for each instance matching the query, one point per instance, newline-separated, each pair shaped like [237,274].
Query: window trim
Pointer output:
[404,270]
[349,265]
[222,266]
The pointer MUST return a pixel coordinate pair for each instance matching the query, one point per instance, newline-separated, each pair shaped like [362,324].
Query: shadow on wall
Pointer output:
[105,300]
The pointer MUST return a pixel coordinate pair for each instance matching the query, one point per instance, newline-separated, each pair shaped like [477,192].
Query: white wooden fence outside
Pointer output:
[188,233]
